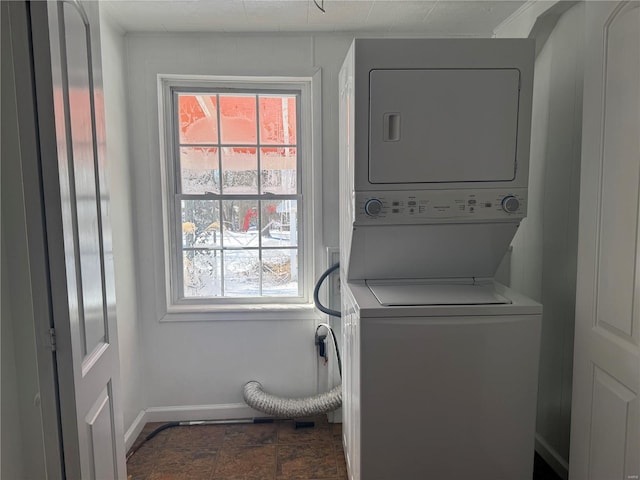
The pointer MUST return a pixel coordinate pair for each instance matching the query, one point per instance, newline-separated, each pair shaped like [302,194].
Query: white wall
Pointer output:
[190,364]
[545,248]
[120,182]
[22,431]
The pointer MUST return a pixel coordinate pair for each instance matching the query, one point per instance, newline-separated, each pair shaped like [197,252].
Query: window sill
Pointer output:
[200,313]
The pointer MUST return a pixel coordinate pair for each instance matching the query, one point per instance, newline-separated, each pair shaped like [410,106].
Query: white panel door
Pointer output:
[605,430]
[66,46]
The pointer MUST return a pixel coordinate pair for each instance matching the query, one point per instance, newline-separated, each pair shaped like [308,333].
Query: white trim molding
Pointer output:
[167,308]
[134,430]
[520,23]
[189,413]
[553,458]
[534,19]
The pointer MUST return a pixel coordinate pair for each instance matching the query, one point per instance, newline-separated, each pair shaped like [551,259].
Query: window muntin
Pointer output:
[237,199]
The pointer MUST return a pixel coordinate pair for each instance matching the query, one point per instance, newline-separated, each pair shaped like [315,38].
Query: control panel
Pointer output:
[436,206]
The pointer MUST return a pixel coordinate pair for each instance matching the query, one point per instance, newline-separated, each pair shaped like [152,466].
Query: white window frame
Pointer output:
[263,307]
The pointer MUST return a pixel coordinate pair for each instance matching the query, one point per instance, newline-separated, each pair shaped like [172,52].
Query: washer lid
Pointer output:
[436,294]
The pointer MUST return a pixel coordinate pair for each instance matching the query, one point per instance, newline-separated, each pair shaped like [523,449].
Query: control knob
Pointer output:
[510,204]
[373,207]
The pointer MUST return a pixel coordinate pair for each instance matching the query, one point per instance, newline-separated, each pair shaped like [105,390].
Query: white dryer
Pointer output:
[441,381]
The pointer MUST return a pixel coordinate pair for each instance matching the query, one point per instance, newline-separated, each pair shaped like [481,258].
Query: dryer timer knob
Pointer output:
[510,204]
[373,207]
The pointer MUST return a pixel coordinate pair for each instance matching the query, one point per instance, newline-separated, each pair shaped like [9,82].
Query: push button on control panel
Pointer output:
[373,207]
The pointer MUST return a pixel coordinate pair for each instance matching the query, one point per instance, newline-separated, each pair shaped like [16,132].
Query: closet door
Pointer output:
[605,421]
[66,49]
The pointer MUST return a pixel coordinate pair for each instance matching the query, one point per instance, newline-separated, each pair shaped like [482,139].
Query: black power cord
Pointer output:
[296,423]
[328,311]
[320,339]
[150,436]
[316,292]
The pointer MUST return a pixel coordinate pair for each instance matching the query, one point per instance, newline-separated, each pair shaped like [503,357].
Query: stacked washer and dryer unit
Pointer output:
[440,361]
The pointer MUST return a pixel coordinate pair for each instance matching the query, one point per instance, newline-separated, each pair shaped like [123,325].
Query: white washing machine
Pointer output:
[441,381]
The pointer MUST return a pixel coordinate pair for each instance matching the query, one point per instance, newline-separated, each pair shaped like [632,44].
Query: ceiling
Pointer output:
[429,18]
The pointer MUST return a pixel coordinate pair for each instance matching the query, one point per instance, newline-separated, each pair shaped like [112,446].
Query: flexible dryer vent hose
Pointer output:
[264,402]
[326,402]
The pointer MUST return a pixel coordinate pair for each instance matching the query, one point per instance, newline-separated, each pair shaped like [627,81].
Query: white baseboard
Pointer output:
[185,413]
[553,458]
[134,430]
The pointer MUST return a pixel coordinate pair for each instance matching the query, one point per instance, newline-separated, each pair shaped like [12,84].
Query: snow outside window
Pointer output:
[235,195]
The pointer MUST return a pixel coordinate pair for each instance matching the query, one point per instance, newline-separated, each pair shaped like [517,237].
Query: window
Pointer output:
[235,192]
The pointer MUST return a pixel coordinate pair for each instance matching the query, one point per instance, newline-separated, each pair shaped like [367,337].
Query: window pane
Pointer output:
[280,223]
[201,273]
[199,170]
[277,120]
[200,223]
[239,170]
[241,273]
[238,119]
[278,170]
[280,272]
[240,223]
[198,119]
[236,145]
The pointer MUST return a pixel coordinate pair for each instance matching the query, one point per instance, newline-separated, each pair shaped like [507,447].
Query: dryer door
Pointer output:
[443,125]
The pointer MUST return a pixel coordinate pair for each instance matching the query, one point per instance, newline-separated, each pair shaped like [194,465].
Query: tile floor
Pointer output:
[271,451]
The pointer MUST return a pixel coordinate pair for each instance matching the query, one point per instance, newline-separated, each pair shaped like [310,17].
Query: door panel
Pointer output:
[620,177]
[98,422]
[605,428]
[610,416]
[67,43]
[84,188]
